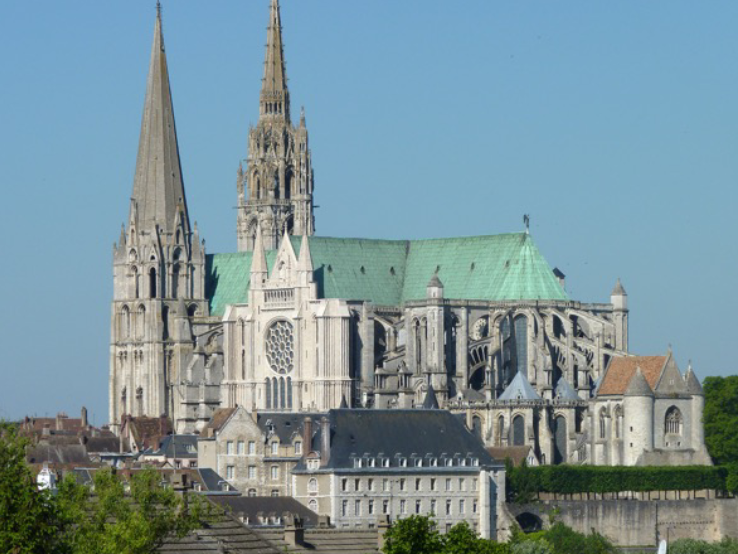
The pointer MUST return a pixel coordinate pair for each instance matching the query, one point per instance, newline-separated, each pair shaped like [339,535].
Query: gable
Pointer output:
[671,380]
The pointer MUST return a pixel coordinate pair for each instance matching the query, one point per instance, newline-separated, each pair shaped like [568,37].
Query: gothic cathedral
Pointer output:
[294,322]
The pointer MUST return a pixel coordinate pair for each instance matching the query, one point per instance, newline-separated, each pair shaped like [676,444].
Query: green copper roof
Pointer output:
[390,272]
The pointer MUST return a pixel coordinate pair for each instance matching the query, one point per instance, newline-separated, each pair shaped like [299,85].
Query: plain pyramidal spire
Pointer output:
[158,189]
[275,98]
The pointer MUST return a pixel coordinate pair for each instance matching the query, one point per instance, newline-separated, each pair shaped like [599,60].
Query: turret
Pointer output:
[619,301]
[698,407]
[638,416]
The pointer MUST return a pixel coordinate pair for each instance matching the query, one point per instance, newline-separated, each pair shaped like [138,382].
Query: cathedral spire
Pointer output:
[275,98]
[157,185]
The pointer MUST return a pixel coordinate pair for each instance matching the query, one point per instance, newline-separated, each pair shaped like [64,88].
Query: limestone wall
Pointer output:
[642,523]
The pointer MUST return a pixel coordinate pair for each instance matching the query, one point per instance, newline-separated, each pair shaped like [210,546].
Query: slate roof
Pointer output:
[693,384]
[400,434]
[57,454]
[431,401]
[328,541]
[286,425]
[621,370]
[177,446]
[391,272]
[564,391]
[251,506]
[519,389]
[638,385]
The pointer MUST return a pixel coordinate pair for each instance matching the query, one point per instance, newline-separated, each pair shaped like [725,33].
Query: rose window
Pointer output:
[280,347]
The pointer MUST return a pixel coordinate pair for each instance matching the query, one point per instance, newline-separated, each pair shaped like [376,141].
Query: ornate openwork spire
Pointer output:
[275,98]
[158,189]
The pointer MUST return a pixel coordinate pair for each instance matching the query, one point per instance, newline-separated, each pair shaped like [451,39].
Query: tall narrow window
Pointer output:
[275,393]
[518,425]
[152,283]
[289,393]
[521,344]
[125,322]
[603,424]
[269,394]
[175,281]
[282,394]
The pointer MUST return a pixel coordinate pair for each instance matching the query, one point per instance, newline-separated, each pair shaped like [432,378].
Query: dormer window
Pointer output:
[386,462]
[419,462]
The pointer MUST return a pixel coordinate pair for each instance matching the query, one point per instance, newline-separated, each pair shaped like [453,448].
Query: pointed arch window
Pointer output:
[141,322]
[125,322]
[500,430]
[603,424]
[673,421]
[618,422]
[269,394]
[289,393]
[282,394]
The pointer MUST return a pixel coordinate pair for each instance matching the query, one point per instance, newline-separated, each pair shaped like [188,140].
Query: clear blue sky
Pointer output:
[614,124]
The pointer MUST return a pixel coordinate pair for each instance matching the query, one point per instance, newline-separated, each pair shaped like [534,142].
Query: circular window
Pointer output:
[280,347]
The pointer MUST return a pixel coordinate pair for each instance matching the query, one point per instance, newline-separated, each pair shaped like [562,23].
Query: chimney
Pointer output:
[325,441]
[60,421]
[307,436]
[163,424]
[84,417]
[383,525]
[294,531]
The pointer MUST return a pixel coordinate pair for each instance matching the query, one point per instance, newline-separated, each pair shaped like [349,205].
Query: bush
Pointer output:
[564,479]
[532,547]
[691,546]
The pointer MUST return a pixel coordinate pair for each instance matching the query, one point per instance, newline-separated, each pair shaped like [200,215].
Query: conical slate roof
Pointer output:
[435,282]
[564,391]
[158,189]
[618,290]
[638,385]
[430,402]
[693,384]
[519,389]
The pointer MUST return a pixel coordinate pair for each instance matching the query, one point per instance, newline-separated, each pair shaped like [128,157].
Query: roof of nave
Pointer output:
[621,370]
[519,389]
[391,272]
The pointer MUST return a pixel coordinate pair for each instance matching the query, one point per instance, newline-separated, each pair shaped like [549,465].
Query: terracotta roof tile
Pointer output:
[220,416]
[621,371]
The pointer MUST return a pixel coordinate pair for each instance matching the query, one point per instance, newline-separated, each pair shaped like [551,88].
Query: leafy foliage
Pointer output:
[564,479]
[76,521]
[113,522]
[28,519]
[721,418]
[691,546]
[418,535]
[532,547]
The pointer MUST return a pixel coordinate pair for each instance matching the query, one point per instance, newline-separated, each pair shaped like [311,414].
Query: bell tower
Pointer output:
[275,190]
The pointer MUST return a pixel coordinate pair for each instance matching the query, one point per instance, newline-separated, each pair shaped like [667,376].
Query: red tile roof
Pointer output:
[621,371]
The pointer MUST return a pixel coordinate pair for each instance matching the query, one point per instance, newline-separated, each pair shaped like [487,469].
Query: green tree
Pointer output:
[462,539]
[413,535]
[721,418]
[112,521]
[29,522]
[77,521]
[418,535]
